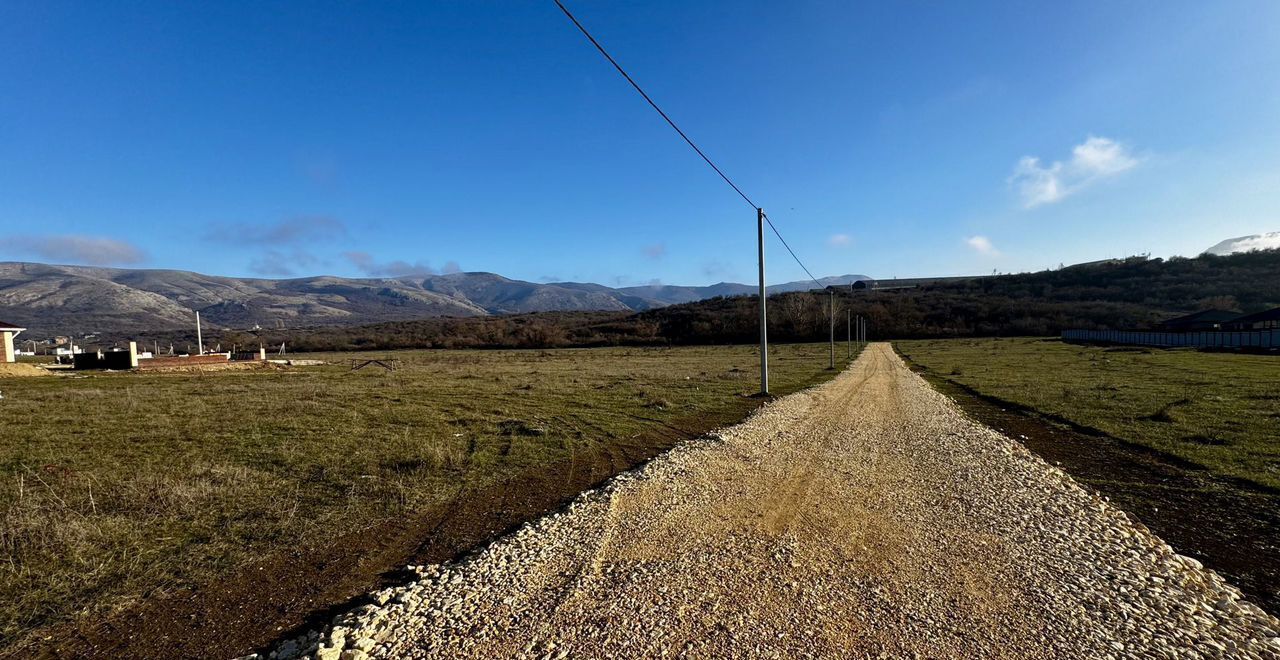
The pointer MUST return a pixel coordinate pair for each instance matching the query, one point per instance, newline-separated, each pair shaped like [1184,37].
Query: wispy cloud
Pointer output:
[365,263]
[75,249]
[840,240]
[293,231]
[1095,159]
[655,251]
[982,245]
[274,263]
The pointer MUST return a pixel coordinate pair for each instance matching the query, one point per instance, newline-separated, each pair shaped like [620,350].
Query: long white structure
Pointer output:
[1213,339]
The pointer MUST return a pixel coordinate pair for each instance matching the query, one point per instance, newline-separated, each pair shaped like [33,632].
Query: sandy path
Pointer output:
[864,518]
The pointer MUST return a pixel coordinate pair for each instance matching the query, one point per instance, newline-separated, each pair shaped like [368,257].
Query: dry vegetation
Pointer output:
[116,486]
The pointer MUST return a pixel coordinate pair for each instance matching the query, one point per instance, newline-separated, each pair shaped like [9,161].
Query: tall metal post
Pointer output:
[833,331]
[199,336]
[848,330]
[764,326]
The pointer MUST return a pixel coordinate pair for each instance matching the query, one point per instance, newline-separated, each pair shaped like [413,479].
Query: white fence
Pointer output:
[1220,339]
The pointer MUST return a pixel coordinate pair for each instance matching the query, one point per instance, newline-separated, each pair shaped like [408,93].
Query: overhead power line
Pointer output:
[793,252]
[617,66]
[760,215]
[682,134]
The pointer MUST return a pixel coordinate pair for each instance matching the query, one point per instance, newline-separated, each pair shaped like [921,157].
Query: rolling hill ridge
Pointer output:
[52,299]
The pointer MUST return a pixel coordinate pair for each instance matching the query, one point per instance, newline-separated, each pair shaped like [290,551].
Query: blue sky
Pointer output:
[892,139]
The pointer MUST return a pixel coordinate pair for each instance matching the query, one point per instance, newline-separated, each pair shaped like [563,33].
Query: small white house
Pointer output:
[7,333]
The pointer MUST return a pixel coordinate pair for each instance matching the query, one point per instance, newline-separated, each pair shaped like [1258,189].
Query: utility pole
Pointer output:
[764,329]
[833,330]
[848,329]
[199,336]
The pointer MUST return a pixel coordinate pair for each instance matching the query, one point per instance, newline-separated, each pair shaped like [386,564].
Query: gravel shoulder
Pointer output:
[867,517]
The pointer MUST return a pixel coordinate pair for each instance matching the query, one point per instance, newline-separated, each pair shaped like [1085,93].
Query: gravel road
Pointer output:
[867,517]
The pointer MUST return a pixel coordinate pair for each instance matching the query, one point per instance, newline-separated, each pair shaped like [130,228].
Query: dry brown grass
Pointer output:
[116,486]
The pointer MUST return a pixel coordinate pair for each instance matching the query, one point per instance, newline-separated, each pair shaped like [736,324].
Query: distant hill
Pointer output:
[51,299]
[1112,294]
[1267,241]
[674,295]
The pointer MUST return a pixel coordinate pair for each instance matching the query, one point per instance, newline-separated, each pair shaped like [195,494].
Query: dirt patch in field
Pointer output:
[1230,525]
[20,370]
[281,595]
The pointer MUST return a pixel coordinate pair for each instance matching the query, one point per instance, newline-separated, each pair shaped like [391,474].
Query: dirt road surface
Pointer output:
[867,517]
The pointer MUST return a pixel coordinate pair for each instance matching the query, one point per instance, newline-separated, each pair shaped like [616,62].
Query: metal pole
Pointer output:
[764,329]
[848,330]
[833,330]
[199,336]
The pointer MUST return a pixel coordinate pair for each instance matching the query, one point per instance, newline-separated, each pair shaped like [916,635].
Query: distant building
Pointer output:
[909,283]
[1209,319]
[1268,320]
[7,333]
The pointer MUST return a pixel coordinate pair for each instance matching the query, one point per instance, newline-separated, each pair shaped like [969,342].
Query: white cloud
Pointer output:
[982,245]
[1267,241]
[1094,159]
[840,240]
[91,250]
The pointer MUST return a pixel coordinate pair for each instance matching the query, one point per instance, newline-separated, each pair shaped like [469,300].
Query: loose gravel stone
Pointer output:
[865,518]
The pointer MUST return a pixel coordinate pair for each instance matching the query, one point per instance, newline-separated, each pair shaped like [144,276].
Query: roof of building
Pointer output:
[10,326]
[1268,315]
[1203,316]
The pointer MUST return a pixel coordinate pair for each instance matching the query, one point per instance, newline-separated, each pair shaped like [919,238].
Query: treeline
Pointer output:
[1126,294]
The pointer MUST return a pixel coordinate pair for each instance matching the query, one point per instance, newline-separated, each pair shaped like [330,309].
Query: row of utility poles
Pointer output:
[855,326]
[860,326]
[849,329]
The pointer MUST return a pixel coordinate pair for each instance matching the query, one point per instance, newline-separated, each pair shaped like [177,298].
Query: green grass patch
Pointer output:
[116,485]
[1217,410]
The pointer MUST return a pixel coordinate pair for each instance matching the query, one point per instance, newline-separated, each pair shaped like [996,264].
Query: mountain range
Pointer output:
[51,299]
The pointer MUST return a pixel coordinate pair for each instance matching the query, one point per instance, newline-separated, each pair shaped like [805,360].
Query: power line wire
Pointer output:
[690,142]
[655,105]
[793,253]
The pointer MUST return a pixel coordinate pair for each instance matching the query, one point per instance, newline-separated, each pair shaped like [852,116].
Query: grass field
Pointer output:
[1218,410]
[116,485]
